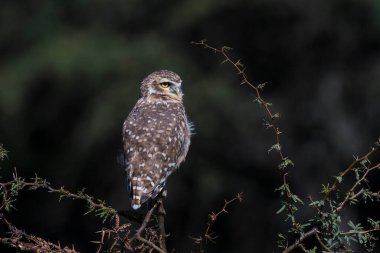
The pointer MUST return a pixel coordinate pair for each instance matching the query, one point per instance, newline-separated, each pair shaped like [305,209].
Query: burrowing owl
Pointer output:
[156,136]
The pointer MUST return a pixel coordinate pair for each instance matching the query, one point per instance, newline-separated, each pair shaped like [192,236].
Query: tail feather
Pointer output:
[137,192]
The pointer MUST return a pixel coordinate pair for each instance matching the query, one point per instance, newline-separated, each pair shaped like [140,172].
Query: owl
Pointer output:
[156,136]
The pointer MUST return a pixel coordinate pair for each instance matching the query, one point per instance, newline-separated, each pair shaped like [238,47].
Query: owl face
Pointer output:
[162,83]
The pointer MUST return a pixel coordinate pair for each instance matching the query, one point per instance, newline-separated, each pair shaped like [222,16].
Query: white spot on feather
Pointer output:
[137,188]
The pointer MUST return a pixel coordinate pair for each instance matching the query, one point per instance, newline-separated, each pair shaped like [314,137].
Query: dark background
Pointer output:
[70,73]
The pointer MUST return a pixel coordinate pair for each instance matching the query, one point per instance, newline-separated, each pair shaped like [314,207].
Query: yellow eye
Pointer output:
[165,85]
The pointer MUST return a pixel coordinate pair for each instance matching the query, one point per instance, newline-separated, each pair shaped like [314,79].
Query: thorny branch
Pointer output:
[360,232]
[9,191]
[299,241]
[145,222]
[238,65]
[161,223]
[350,192]
[290,200]
[213,217]
[149,236]
[145,239]
[350,195]
[323,245]
[271,116]
[119,234]
[289,204]
[29,243]
[357,160]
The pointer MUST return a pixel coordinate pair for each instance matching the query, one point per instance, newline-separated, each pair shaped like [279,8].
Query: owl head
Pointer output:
[162,84]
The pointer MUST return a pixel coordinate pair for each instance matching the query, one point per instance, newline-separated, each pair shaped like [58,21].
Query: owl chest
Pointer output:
[155,125]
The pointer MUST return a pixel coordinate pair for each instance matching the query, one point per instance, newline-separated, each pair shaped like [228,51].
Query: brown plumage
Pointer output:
[156,136]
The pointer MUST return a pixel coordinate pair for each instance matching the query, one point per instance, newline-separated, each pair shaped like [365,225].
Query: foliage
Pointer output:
[150,233]
[3,153]
[327,225]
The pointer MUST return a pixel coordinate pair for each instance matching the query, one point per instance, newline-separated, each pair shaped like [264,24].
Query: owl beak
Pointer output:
[176,90]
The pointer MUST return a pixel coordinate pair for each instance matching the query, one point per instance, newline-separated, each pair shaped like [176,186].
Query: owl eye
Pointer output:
[165,85]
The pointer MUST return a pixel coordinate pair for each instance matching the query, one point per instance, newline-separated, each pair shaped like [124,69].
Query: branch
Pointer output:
[30,243]
[161,223]
[351,167]
[322,244]
[9,191]
[353,232]
[357,183]
[257,89]
[119,234]
[144,224]
[213,217]
[298,242]
[291,200]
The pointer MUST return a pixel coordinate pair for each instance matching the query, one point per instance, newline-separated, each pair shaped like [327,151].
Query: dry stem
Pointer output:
[208,235]
[30,243]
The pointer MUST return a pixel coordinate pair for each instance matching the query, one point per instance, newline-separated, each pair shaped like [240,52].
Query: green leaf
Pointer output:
[285,163]
[296,199]
[281,209]
[276,147]
[261,86]
[326,189]
[3,153]
[339,179]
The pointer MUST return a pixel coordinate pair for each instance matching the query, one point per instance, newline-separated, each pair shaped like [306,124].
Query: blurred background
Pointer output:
[70,74]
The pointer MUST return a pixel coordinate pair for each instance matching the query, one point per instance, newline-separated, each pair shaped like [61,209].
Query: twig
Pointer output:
[291,200]
[30,243]
[257,89]
[161,223]
[118,236]
[298,242]
[357,183]
[11,188]
[352,165]
[118,233]
[207,235]
[322,244]
[303,248]
[270,115]
[352,232]
[145,222]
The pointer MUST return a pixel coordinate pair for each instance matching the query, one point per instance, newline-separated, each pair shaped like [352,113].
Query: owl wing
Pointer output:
[154,139]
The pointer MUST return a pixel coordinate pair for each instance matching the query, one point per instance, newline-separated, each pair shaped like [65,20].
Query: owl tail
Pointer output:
[137,192]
